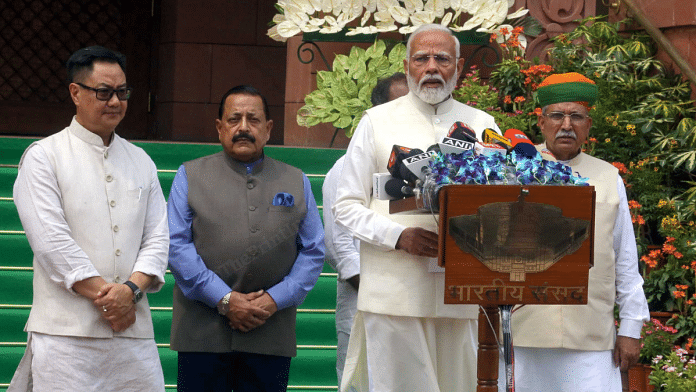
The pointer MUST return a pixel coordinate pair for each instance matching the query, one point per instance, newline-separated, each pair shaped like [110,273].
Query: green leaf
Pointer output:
[324,79]
[376,50]
[380,66]
[343,121]
[688,159]
[357,54]
[341,62]
[357,68]
[397,54]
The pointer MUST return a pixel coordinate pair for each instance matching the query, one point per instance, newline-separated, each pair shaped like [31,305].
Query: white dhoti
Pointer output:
[404,354]
[69,363]
[562,370]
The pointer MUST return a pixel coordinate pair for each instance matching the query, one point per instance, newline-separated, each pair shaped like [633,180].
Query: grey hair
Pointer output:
[432,27]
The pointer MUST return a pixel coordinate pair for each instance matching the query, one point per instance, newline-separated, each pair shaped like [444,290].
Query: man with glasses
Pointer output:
[410,339]
[576,348]
[94,214]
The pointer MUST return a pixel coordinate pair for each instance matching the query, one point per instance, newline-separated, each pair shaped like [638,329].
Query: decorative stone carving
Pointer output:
[557,17]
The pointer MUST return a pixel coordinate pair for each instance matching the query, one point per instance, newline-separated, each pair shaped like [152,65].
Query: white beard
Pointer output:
[432,95]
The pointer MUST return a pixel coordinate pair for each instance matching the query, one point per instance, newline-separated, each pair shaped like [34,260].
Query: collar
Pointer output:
[245,168]
[431,110]
[88,136]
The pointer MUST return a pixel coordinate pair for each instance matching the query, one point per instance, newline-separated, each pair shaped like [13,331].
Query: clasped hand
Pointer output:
[249,311]
[115,303]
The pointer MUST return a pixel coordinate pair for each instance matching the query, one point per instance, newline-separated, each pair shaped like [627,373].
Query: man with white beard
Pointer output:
[403,332]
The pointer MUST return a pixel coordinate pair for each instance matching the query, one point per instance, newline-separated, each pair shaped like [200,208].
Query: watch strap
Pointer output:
[137,293]
[224,304]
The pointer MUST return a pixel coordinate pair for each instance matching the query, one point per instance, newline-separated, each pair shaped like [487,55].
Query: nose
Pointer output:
[113,101]
[244,124]
[566,123]
[431,66]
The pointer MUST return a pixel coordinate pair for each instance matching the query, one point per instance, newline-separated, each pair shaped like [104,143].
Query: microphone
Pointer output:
[521,143]
[462,131]
[397,188]
[416,166]
[459,139]
[491,136]
[396,159]
[434,148]
[489,149]
[516,137]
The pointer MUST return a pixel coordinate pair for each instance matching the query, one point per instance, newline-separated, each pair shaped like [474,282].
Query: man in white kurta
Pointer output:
[404,336]
[576,348]
[94,214]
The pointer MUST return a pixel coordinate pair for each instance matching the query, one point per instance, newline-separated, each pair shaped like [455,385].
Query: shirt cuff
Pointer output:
[79,275]
[281,296]
[630,328]
[393,235]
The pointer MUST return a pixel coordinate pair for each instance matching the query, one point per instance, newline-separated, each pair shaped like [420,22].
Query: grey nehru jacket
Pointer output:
[248,242]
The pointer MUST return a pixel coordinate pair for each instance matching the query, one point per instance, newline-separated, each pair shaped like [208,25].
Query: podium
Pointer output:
[506,245]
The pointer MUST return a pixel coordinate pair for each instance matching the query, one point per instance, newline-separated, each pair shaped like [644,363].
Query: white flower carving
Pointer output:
[332,16]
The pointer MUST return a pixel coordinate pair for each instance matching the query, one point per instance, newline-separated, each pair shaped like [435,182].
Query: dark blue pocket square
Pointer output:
[283,199]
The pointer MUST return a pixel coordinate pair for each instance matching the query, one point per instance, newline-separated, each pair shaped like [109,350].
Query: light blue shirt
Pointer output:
[199,283]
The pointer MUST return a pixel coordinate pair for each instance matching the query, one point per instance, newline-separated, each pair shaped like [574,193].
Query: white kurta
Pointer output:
[122,229]
[403,331]
[343,253]
[565,370]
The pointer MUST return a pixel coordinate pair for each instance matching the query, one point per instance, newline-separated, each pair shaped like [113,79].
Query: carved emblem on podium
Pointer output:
[518,237]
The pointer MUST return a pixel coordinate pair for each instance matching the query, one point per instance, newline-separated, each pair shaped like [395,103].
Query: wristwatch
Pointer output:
[137,293]
[224,304]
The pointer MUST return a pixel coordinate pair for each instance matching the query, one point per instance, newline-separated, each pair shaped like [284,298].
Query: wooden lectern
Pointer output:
[510,245]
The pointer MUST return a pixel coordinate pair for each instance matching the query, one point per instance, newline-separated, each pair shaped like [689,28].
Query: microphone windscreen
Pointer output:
[526,149]
[396,159]
[516,136]
[462,131]
[404,172]
[435,147]
[396,187]
[492,136]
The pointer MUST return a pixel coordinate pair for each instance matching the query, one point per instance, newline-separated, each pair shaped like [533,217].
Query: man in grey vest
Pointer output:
[94,214]
[246,248]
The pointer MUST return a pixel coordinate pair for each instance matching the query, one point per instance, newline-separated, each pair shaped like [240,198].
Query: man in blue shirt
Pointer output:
[246,248]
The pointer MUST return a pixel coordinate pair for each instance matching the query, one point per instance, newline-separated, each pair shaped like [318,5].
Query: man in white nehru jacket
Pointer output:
[404,336]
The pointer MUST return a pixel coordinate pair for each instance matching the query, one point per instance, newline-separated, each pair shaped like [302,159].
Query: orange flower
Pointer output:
[668,248]
[632,204]
[622,168]
[678,255]
[669,239]
[520,99]
[507,99]
[505,31]
[678,294]
[693,265]
[681,286]
[652,263]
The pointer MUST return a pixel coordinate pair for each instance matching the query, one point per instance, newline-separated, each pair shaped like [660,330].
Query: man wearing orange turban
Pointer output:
[576,348]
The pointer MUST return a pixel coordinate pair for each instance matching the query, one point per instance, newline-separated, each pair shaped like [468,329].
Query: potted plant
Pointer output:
[674,372]
[343,94]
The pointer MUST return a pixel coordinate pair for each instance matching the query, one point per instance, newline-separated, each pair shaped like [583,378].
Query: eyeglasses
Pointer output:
[442,60]
[105,94]
[575,118]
